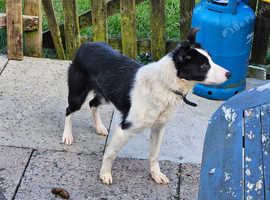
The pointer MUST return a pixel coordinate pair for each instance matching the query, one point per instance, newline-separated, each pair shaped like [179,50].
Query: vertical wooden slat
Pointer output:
[54,29]
[158,40]
[261,33]
[186,8]
[254,183]
[33,39]
[14,29]
[99,20]
[265,115]
[128,28]
[72,30]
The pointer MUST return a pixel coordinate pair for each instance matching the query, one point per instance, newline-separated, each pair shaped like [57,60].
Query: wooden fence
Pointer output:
[67,36]
[16,23]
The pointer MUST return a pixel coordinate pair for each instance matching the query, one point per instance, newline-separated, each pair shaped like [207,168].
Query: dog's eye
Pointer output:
[205,66]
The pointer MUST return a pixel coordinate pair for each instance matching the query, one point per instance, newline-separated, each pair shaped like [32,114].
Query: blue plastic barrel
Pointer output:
[226,32]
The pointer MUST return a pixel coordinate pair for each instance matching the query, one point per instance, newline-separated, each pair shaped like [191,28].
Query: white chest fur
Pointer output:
[152,100]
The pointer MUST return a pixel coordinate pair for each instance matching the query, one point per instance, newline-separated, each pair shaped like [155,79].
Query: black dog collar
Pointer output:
[184,96]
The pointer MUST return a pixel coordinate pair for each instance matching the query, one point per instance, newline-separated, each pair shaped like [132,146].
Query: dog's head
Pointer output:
[194,63]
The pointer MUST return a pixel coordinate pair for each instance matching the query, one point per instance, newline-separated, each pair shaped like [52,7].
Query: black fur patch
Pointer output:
[108,73]
[125,125]
[190,63]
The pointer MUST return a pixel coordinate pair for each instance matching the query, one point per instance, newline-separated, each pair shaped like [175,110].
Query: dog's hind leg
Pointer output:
[74,104]
[157,132]
[78,91]
[94,106]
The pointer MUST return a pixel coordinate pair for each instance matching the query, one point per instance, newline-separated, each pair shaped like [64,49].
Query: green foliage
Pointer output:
[114,25]
[3,40]
[49,53]
[144,58]
[143,21]
[2,5]
[173,19]
[268,58]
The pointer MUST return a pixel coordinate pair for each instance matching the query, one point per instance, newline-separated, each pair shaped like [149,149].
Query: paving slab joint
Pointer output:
[26,166]
[107,137]
[4,67]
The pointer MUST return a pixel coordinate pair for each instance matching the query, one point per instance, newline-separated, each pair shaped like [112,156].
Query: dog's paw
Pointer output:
[102,130]
[160,178]
[67,139]
[106,178]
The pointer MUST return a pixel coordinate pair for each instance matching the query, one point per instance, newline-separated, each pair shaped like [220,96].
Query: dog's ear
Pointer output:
[191,36]
[180,53]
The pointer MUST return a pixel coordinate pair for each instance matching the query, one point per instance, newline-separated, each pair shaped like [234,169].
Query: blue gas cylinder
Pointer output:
[226,32]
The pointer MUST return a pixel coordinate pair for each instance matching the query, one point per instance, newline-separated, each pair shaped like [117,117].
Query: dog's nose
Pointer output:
[228,75]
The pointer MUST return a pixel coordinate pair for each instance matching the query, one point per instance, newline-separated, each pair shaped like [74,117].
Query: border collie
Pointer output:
[146,95]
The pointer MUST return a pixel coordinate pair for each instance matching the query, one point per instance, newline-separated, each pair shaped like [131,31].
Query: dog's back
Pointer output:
[99,67]
[97,57]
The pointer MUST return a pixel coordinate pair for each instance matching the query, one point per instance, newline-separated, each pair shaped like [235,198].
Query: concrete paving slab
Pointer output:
[189,182]
[13,162]
[33,101]
[78,174]
[183,141]
[252,82]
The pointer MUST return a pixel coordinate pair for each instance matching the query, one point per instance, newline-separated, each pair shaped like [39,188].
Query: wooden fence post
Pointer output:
[33,39]
[186,8]
[261,34]
[71,27]
[128,28]
[99,20]
[158,39]
[54,29]
[14,29]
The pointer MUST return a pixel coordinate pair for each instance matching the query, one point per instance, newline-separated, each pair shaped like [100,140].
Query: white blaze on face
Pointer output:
[216,73]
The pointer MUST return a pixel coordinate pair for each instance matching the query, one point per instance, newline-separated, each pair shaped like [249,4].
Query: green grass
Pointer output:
[114,25]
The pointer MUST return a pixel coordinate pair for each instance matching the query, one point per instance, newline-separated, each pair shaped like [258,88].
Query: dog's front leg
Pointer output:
[119,138]
[157,132]
[67,137]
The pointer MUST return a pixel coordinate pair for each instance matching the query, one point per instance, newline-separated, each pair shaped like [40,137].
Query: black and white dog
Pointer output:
[145,95]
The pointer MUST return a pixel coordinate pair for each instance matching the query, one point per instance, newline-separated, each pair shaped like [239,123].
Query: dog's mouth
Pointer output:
[218,78]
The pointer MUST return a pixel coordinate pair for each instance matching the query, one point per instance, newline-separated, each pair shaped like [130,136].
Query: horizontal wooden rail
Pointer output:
[30,23]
